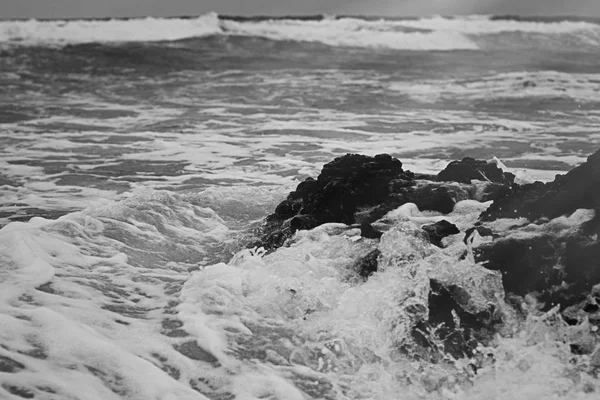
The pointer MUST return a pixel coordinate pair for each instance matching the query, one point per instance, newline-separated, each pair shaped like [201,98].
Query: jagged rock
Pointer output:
[481,230]
[368,232]
[459,330]
[579,188]
[559,266]
[582,263]
[468,169]
[345,185]
[367,265]
[560,269]
[361,189]
[526,265]
[355,189]
[426,195]
[440,230]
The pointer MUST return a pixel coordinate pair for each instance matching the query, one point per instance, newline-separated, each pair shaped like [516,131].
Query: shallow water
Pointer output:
[137,156]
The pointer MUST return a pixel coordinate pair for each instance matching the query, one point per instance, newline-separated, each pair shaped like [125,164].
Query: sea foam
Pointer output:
[431,33]
[113,30]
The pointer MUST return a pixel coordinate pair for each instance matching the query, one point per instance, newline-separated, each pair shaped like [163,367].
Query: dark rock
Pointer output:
[361,189]
[582,263]
[468,169]
[560,267]
[481,230]
[516,202]
[494,191]
[433,198]
[367,265]
[345,185]
[354,188]
[459,330]
[368,232]
[440,230]
[426,195]
[579,188]
[526,265]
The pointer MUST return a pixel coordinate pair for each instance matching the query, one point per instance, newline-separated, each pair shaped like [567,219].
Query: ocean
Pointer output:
[138,156]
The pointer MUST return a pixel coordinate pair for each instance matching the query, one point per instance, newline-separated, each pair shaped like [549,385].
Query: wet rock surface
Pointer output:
[468,169]
[557,263]
[449,322]
[561,266]
[361,189]
[441,229]
[579,188]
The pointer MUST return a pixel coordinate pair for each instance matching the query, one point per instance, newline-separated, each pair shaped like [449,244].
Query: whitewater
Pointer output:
[138,158]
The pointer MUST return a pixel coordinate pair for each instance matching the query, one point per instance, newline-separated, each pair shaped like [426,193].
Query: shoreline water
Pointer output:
[138,157]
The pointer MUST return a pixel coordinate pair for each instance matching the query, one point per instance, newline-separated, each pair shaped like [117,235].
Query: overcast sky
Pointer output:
[128,8]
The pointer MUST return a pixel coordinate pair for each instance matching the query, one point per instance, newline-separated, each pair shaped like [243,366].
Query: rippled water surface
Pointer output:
[136,155]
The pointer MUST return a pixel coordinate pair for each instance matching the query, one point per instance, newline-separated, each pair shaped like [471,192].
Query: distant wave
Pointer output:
[351,32]
[108,30]
[546,19]
[432,33]
[485,24]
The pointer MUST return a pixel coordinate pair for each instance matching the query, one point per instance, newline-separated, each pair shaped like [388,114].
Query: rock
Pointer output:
[367,265]
[579,188]
[468,169]
[582,263]
[459,330]
[481,231]
[527,265]
[368,232]
[361,189]
[345,185]
[355,189]
[561,267]
[555,261]
[426,195]
[440,230]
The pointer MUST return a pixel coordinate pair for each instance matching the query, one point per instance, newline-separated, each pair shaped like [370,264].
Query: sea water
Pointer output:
[137,157]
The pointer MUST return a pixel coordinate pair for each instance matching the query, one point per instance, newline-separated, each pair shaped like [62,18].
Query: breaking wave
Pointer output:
[432,33]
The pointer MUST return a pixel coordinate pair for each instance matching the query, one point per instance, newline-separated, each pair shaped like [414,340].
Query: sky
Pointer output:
[132,8]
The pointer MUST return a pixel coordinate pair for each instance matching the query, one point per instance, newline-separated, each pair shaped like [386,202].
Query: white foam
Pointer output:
[82,298]
[309,322]
[432,33]
[84,31]
[335,32]
[482,24]
[353,33]
[512,85]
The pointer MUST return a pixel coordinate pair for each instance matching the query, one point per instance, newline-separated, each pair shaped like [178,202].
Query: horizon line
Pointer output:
[247,17]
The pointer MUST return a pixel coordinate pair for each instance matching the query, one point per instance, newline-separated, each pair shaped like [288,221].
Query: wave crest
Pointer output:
[352,32]
[431,33]
[112,30]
